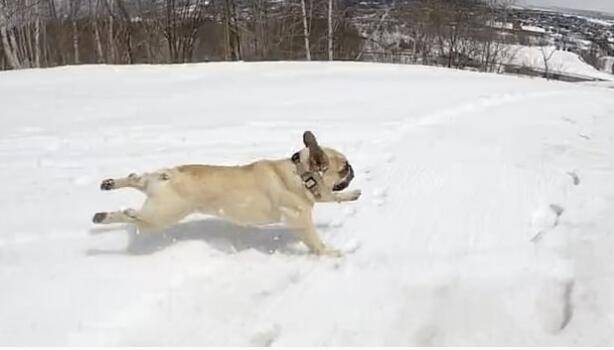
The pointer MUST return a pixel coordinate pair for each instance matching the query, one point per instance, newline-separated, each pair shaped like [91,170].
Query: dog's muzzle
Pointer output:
[345,182]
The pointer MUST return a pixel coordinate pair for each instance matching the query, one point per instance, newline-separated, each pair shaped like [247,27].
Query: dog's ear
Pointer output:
[318,161]
[309,139]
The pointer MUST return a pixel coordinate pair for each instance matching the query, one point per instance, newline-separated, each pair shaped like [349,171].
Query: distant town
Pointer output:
[403,30]
[584,33]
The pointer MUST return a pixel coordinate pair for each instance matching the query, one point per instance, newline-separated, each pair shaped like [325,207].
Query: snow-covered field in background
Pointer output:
[560,62]
[487,214]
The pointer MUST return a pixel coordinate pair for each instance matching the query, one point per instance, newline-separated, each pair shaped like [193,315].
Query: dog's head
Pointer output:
[336,171]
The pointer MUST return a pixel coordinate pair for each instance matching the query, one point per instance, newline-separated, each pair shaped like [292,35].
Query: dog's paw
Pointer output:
[107,185]
[348,196]
[354,195]
[331,252]
[99,217]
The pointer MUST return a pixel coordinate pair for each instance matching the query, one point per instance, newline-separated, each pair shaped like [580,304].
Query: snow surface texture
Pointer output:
[560,62]
[486,216]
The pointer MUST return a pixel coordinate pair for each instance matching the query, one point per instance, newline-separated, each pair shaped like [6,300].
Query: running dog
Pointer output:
[260,193]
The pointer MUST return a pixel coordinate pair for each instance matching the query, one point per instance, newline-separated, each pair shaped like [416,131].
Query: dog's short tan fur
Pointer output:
[260,193]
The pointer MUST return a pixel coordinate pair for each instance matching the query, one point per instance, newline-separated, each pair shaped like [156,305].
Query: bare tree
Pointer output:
[37,35]
[74,8]
[330,30]
[110,34]
[125,31]
[547,53]
[7,37]
[376,30]
[306,31]
[93,14]
[233,38]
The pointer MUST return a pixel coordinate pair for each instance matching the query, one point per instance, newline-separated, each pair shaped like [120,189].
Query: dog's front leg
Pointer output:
[339,197]
[348,196]
[301,222]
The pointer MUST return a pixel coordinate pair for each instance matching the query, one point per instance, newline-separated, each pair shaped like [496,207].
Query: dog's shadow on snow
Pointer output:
[218,234]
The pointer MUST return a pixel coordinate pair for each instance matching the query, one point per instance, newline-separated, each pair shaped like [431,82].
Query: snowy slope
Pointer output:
[560,62]
[486,216]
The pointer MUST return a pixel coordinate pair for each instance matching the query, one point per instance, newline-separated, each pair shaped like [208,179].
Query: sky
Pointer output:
[596,5]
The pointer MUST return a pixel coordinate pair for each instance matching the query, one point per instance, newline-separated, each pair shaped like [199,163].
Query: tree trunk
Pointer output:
[227,51]
[43,45]
[11,35]
[330,30]
[27,37]
[75,41]
[235,31]
[52,11]
[547,57]
[93,14]
[99,53]
[3,65]
[37,37]
[127,30]
[32,44]
[233,40]
[306,31]
[54,40]
[414,51]
[22,36]
[111,58]
[9,52]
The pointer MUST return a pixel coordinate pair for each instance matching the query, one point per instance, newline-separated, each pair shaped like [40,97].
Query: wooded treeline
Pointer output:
[46,33]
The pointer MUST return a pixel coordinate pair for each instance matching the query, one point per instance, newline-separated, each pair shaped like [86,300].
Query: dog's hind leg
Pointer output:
[146,182]
[133,180]
[155,215]
[163,210]
[129,216]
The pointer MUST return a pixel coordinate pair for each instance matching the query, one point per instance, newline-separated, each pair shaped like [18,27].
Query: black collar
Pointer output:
[309,178]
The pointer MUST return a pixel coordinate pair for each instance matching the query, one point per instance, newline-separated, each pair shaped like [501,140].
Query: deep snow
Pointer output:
[487,215]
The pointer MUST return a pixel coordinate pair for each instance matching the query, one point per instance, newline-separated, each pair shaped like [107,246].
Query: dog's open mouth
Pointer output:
[345,182]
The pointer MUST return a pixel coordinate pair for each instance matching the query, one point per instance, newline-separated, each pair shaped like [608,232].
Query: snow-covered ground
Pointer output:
[487,215]
[559,62]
